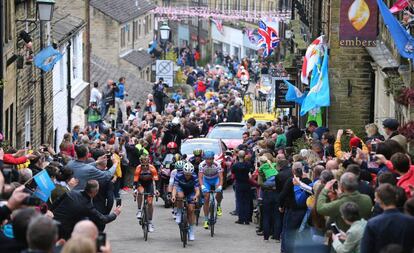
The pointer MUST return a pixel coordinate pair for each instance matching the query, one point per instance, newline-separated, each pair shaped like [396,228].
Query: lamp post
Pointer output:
[44,9]
[165,35]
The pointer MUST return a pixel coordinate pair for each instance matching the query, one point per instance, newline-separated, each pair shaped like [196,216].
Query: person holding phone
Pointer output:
[354,144]
[350,241]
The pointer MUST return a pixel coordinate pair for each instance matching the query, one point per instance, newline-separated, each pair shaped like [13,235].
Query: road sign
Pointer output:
[165,69]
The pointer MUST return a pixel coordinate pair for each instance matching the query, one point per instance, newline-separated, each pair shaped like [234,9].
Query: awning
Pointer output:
[382,56]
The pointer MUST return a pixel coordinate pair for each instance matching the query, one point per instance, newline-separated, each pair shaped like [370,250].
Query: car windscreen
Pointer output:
[227,133]
[188,147]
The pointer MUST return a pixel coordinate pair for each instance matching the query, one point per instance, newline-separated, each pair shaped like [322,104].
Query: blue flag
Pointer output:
[319,94]
[294,94]
[45,185]
[47,58]
[402,39]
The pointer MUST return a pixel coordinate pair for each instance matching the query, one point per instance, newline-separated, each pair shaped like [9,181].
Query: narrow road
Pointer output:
[126,235]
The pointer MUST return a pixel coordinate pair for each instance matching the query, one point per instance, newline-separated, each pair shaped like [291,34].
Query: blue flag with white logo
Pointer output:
[319,94]
[47,58]
[402,39]
[45,185]
[293,93]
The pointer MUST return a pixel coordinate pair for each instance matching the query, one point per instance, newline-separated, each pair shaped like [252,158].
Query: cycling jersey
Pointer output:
[187,186]
[210,172]
[172,177]
[145,176]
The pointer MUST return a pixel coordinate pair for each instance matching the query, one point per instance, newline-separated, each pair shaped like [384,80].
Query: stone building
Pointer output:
[121,32]
[22,93]
[359,75]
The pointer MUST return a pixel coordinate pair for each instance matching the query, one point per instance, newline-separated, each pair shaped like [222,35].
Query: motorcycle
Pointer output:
[165,171]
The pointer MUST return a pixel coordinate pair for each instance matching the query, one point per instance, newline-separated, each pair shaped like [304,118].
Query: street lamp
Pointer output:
[45,9]
[165,35]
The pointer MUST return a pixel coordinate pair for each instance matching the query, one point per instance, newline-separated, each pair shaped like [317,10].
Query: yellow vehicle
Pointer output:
[265,117]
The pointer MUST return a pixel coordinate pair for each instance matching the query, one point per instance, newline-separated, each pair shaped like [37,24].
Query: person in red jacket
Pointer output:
[201,88]
[402,165]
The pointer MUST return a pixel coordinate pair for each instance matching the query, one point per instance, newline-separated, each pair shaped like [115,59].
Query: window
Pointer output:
[146,22]
[122,37]
[62,65]
[139,28]
[135,30]
[7,21]
[128,32]
[75,59]
[27,124]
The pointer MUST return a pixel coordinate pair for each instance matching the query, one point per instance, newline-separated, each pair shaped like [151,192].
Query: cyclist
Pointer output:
[210,176]
[178,168]
[144,182]
[186,186]
[196,159]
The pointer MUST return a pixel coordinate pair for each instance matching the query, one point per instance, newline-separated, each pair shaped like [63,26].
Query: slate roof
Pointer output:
[63,24]
[101,71]
[382,56]
[140,59]
[123,10]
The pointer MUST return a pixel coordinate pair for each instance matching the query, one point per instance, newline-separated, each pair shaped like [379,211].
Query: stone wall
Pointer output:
[348,65]
[104,37]
[29,92]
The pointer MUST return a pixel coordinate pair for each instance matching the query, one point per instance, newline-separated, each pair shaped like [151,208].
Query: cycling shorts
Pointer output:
[189,196]
[210,183]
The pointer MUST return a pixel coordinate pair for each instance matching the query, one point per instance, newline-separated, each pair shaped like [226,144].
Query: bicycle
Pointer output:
[212,212]
[144,221]
[183,225]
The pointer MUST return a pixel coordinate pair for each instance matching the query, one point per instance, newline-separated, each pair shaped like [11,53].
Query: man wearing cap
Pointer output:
[391,130]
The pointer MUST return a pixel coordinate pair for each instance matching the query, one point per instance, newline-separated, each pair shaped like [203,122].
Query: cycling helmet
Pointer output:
[177,157]
[197,152]
[180,165]
[144,159]
[172,145]
[208,154]
[188,168]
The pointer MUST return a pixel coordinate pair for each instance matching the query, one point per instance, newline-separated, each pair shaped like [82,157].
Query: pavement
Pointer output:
[126,235]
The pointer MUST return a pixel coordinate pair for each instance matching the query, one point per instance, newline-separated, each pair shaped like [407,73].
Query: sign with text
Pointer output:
[358,23]
[281,90]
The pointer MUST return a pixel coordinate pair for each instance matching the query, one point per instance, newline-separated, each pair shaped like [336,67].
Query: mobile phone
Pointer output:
[118,202]
[335,228]
[108,156]
[354,151]
[374,147]
[335,186]
[100,241]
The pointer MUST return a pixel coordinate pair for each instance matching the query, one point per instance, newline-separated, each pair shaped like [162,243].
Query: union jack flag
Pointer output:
[268,38]
[251,35]
[219,25]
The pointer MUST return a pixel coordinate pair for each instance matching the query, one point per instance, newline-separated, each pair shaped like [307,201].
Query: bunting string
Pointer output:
[183,13]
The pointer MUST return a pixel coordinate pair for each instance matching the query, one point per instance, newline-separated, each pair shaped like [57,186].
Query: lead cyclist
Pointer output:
[210,176]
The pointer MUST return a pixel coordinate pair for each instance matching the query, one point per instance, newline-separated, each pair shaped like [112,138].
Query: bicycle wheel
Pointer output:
[212,220]
[145,223]
[197,214]
[184,228]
